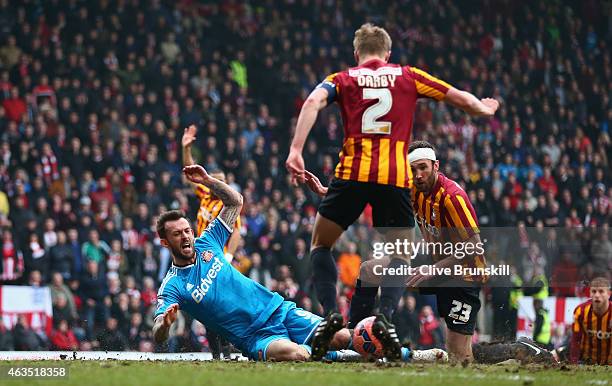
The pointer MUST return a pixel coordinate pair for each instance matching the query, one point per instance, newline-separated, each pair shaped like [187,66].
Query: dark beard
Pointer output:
[179,256]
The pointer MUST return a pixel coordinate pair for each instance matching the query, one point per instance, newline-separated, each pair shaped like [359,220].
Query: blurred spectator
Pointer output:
[197,337]
[35,257]
[25,339]
[94,292]
[62,338]
[12,258]
[60,290]
[431,331]
[348,265]
[61,256]
[406,320]
[95,249]
[111,339]
[6,337]
[564,276]
[136,331]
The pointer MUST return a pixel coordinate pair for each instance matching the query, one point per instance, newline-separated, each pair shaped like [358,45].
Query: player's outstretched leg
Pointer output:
[283,350]
[532,352]
[385,332]
[524,350]
[324,334]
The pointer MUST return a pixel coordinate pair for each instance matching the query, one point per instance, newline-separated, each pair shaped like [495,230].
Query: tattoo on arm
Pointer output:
[229,215]
[229,196]
[232,201]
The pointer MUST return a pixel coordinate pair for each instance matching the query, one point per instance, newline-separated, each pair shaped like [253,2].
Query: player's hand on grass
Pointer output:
[196,174]
[315,184]
[491,103]
[189,136]
[295,166]
[170,315]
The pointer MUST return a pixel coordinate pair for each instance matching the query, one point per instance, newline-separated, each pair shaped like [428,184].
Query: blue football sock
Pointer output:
[332,356]
[406,357]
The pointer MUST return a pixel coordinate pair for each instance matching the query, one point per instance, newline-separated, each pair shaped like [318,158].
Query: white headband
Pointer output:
[422,153]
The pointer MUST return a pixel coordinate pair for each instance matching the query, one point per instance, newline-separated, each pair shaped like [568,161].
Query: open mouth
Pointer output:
[186,246]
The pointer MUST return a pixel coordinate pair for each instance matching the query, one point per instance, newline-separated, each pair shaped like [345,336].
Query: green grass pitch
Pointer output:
[311,374]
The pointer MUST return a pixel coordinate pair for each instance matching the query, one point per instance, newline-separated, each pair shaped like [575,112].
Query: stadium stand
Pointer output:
[95,95]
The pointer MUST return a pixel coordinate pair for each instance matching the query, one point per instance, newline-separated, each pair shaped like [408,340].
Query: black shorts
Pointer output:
[345,201]
[458,306]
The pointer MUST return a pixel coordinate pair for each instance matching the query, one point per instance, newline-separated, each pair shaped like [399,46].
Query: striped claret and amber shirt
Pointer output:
[377,101]
[447,215]
[592,335]
[210,207]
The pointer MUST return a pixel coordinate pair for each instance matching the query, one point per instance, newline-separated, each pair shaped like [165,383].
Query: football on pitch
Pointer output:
[364,341]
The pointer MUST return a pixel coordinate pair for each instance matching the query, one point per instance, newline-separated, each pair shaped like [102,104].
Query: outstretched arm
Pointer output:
[315,102]
[161,328]
[189,136]
[232,200]
[470,104]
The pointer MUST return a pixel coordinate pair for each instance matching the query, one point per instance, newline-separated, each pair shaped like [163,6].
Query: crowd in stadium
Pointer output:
[95,96]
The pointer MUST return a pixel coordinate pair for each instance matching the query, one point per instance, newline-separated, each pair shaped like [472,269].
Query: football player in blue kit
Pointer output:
[202,283]
[254,319]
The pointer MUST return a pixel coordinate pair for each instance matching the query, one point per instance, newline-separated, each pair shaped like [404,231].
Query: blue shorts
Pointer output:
[288,322]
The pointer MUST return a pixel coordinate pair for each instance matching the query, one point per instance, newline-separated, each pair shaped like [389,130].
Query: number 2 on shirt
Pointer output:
[369,123]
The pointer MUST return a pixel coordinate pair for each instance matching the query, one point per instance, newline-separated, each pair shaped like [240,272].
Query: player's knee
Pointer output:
[341,339]
[319,241]
[325,233]
[285,352]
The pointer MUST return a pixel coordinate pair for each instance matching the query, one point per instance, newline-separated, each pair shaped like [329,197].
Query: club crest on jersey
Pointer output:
[206,256]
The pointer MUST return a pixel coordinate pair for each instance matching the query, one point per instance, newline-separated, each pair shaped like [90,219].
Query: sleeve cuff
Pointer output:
[230,230]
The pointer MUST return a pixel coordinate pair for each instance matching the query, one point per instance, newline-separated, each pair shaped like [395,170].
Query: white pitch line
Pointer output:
[106,355]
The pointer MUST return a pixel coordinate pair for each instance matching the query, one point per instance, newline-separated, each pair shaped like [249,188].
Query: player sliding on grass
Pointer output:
[210,207]
[202,283]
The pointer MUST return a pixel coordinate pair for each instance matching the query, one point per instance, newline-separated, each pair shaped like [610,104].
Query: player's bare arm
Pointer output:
[162,324]
[447,262]
[189,137]
[315,102]
[467,102]
[232,200]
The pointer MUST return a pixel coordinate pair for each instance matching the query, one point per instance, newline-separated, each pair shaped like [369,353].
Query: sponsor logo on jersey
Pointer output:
[211,226]
[206,256]
[599,334]
[431,229]
[206,282]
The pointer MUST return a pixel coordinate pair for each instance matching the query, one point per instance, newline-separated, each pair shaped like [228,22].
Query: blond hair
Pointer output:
[371,40]
[600,282]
